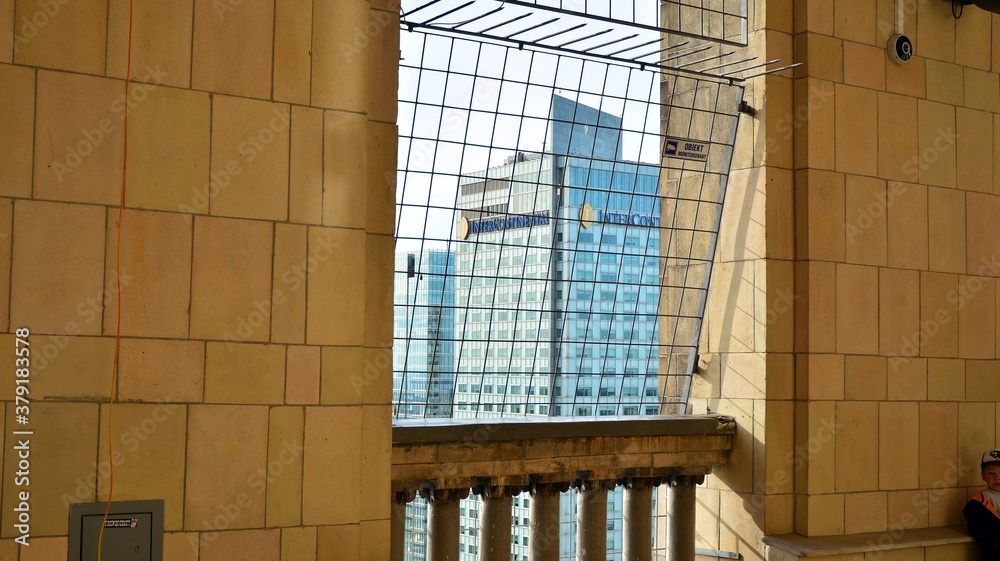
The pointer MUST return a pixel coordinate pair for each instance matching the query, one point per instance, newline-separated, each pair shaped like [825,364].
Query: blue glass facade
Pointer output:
[608,268]
[548,317]
[423,355]
[580,130]
[423,358]
[561,318]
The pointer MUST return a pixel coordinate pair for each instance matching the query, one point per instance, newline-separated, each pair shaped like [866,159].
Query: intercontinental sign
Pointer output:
[500,223]
[588,216]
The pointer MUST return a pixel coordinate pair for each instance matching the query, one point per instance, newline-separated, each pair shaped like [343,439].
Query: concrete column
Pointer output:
[637,514]
[397,528]
[495,523]
[681,516]
[592,521]
[543,527]
[442,524]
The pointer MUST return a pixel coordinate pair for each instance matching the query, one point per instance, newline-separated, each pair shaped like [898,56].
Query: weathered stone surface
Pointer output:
[456,456]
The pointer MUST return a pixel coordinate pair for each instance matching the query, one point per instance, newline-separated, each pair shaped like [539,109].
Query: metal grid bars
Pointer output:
[719,21]
[550,260]
[723,21]
[622,31]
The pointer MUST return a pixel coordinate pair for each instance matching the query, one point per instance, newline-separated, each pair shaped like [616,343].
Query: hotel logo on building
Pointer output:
[500,223]
[588,216]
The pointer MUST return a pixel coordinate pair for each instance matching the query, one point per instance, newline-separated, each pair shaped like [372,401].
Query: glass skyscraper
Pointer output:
[423,355]
[558,278]
[548,305]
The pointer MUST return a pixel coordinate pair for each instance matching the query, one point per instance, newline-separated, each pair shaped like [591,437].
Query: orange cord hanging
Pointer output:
[118,280]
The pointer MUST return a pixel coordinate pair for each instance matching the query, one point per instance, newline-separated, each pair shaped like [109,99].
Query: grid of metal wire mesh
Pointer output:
[561,172]
[557,217]
[609,28]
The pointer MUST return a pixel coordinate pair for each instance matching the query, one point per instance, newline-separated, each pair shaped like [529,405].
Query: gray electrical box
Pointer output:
[133,531]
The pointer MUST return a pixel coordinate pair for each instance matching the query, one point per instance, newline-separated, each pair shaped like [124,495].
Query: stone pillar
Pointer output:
[592,521]
[543,528]
[495,523]
[259,200]
[637,514]
[442,524]
[681,516]
[397,528]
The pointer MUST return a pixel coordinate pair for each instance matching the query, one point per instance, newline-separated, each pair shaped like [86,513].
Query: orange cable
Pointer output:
[118,281]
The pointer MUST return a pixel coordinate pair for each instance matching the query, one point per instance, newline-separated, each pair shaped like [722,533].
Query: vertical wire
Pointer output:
[549,309]
[500,245]
[694,233]
[573,122]
[644,236]
[118,284]
[545,283]
[654,200]
[433,340]
[475,245]
[503,235]
[668,248]
[632,198]
[688,290]
[591,164]
[680,316]
[517,305]
[418,258]
[609,343]
[469,275]
[404,403]
[410,307]
[638,286]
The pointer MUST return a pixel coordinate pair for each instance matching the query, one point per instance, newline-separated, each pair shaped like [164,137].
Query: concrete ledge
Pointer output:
[460,454]
[420,431]
[822,546]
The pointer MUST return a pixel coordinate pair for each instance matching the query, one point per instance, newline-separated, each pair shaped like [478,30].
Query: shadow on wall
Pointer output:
[731,375]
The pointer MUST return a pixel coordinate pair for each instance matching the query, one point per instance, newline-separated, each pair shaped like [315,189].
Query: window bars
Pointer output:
[559,193]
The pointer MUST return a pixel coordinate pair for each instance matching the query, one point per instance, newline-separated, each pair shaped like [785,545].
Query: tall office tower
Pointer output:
[558,291]
[423,354]
[423,358]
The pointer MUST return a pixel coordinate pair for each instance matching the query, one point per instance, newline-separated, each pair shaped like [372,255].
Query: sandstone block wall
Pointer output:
[852,326]
[256,262]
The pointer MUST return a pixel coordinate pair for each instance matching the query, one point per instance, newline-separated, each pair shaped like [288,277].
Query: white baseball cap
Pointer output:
[990,457]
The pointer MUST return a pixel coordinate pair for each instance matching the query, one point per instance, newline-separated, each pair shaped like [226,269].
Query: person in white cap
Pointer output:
[983,509]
